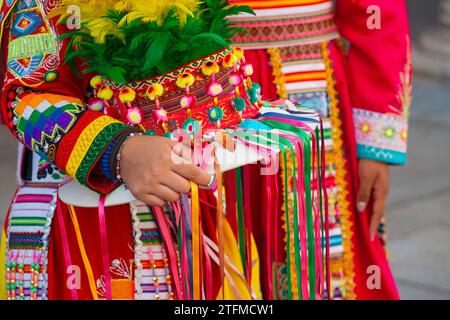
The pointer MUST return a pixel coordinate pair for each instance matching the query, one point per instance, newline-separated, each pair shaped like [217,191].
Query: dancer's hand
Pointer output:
[154,173]
[374,187]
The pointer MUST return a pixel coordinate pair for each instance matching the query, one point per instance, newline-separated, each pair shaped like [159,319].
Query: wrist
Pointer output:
[108,161]
[118,156]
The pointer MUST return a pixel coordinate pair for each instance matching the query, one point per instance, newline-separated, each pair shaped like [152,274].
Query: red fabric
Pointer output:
[263,72]
[119,233]
[376,56]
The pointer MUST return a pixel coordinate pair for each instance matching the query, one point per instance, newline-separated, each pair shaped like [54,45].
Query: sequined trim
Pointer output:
[276,62]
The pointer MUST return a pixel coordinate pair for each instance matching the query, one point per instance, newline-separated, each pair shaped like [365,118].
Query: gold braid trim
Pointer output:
[341,183]
[277,63]
[291,195]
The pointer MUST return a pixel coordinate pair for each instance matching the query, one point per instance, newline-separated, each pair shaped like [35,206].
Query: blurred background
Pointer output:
[418,216]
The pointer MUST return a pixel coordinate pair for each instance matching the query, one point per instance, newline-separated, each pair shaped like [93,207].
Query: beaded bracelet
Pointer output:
[119,154]
[113,158]
[105,161]
[108,159]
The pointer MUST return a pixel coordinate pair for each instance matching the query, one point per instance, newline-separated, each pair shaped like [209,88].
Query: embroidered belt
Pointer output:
[281,25]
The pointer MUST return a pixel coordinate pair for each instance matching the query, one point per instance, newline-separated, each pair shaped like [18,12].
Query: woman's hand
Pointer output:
[374,187]
[154,173]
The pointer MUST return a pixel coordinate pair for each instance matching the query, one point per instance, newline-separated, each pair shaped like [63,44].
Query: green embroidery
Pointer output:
[30,46]
[99,144]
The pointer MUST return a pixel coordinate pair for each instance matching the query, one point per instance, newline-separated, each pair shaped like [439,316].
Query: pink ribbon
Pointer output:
[65,244]
[104,246]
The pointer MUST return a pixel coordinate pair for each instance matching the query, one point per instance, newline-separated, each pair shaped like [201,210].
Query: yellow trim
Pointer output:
[277,62]
[84,141]
[3,266]
[341,182]
[87,264]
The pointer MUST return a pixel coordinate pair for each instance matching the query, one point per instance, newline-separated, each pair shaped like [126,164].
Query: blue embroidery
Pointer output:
[22,69]
[25,4]
[26,23]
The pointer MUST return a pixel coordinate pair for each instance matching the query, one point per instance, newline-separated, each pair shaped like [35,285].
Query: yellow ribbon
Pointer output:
[87,265]
[195,241]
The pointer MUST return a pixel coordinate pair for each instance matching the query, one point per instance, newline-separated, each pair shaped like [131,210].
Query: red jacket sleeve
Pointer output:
[42,99]
[379,61]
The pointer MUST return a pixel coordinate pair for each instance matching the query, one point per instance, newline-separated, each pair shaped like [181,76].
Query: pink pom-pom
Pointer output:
[188,101]
[247,70]
[215,89]
[159,116]
[135,116]
[235,79]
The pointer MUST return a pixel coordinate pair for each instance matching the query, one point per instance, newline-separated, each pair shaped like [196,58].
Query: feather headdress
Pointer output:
[128,40]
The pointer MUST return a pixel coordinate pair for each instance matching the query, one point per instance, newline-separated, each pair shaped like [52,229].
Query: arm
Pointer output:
[379,63]
[42,104]
[42,100]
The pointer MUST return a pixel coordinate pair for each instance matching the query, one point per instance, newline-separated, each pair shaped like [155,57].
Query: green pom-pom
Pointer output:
[238,104]
[51,76]
[254,93]
[215,114]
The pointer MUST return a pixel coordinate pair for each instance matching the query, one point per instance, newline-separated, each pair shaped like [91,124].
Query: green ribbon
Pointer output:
[306,139]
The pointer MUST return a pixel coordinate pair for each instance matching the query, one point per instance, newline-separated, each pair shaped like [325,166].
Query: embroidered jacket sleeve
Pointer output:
[379,62]
[42,99]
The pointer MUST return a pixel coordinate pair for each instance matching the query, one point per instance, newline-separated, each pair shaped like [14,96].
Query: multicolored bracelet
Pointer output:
[119,153]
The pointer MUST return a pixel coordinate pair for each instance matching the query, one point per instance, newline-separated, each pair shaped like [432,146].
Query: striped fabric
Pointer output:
[149,256]
[285,23]
[27,238]
[294,34]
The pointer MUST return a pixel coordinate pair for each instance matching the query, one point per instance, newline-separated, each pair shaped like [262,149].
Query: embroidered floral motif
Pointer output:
[381,136]
[404,95]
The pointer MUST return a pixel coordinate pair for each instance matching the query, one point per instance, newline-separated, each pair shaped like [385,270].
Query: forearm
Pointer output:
[62,130]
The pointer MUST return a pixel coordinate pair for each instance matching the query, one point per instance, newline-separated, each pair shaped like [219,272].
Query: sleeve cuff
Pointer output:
[83,147]
[381,137]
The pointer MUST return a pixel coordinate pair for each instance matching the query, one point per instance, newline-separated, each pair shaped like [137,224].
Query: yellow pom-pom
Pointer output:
[127,95]
[155,91]
[185,79]
[230,60]
[105,93]
[239,53]
[96,82]
[210,67]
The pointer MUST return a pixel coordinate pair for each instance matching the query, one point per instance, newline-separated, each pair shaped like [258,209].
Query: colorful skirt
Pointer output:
[314,75]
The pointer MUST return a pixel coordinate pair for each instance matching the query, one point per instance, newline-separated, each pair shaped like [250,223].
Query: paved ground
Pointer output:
[419,210]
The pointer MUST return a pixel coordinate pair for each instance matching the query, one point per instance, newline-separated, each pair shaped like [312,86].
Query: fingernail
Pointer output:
[361,206]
